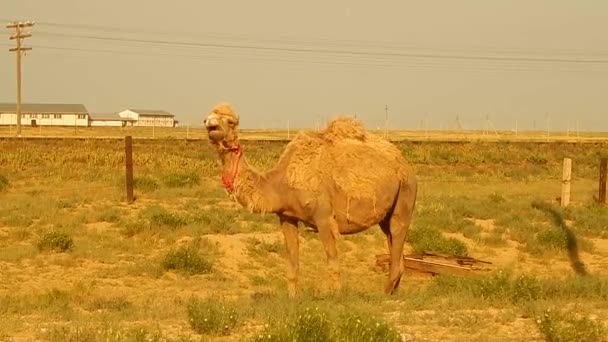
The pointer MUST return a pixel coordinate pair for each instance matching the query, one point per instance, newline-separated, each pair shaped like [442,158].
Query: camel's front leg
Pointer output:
[290,232]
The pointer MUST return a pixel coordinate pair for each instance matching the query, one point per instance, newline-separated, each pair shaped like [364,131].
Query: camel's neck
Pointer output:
[253,190]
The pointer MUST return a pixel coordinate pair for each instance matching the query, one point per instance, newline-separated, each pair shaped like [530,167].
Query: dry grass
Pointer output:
[111,284]
[197,132]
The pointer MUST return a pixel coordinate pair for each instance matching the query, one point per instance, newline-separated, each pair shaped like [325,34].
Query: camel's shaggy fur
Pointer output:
[340,181]
[317,161]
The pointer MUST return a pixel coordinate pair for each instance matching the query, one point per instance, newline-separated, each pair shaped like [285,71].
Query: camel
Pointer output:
[338,181]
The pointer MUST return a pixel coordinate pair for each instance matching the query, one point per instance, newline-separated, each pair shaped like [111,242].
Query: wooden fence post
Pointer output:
[129,167]
[566,178]
[603,176]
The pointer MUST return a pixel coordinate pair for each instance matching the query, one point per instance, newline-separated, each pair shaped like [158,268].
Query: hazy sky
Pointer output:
[285,60]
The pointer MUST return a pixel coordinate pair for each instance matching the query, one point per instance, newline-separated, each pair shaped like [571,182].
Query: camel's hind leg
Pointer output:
[395,227]
[290,232]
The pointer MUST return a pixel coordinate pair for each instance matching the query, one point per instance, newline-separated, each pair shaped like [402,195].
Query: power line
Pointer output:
[390,64]
[291,40]
[387,64]
[331,51]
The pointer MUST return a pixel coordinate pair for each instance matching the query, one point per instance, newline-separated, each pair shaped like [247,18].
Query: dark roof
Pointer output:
[151,112]
[108,117]
[44,108]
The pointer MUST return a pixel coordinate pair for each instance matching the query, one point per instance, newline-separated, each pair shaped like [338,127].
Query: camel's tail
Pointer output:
[571,243]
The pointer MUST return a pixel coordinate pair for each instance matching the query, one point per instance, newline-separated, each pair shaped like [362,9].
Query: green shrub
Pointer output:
[55,241]
[145,184]
[496,287]
[552,240]
[430,239]
[537,160]
[187,259]
[212,316]
[217,220]
[110,214]
[316,325]
[159,217]
[3,183]
[113,303]
[181,179]
[590,220]
[302,326]
[556,326]
[362,328]
[132,228]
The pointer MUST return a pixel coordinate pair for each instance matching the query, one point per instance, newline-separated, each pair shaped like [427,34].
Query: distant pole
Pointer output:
[578,131]
[566,178]
[288,132]
[458,122]
[426,126]
[386,122]
[547,127]
[129,167]
[153,127]
[19,49]
[516,127]
[603,176]
[487,125]
[491,125]
[187,132]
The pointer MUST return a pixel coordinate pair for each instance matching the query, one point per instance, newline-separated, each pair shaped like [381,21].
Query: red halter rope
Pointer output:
[228,180]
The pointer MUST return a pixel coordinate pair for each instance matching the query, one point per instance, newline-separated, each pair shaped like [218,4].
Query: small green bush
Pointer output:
[3,183]
[430,239]
[537,160]
[159,217]
[552,239]
[187,259]
[55,241]
[181,179]
[360,328]
[316,325]
[145,184]
[217,220]
[556,326]
[132,228]
[303,326]
[110,214]
[113,303]
[212,316]
[496,287]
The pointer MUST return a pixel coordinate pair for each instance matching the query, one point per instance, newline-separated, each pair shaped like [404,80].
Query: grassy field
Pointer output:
[199,133]
[183,263]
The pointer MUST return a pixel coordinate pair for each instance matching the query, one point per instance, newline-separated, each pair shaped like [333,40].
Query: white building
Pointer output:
[45,114]
[146,117]
[109,119]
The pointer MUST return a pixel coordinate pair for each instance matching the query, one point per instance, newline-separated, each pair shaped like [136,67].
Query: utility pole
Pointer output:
[386,122]
[458,123]
[547,127]
[19,35]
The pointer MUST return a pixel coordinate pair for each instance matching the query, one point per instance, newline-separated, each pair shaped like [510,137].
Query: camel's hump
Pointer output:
[344,127]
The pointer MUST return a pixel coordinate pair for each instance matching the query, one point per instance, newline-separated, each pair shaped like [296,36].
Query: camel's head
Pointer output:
[221,125]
